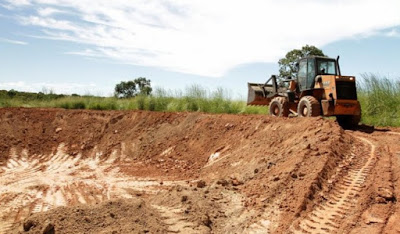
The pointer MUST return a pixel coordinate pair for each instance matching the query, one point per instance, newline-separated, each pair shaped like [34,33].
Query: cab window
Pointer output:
[311,73]
[302,74]
[303,68]
[326,67]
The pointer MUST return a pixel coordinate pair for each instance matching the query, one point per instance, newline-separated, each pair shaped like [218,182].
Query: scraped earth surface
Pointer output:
[133,172]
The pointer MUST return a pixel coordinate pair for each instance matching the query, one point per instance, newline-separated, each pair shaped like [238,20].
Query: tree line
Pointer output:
[287,68]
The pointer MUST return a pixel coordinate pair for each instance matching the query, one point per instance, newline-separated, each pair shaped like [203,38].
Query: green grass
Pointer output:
[380,100]
[194,99]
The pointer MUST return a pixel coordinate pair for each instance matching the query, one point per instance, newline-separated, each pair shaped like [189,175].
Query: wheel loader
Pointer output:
[318,89]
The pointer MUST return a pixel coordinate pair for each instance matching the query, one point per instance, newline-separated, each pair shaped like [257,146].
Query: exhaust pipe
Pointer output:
[337,64]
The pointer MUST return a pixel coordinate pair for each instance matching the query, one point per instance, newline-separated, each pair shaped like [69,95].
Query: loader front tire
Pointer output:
[308,107]
[279,107]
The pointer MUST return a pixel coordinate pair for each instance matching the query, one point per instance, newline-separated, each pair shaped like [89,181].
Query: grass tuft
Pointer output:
[380,100]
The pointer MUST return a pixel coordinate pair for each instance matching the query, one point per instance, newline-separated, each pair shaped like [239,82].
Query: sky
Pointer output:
[88,46]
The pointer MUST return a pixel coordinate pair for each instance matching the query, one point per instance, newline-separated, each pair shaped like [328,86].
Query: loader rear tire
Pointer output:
[279,107]
[308,106]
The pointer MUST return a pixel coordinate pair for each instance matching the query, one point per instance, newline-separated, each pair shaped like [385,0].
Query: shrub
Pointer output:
[12,93]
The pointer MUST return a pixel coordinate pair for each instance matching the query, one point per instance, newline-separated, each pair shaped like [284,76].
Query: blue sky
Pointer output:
[86,46]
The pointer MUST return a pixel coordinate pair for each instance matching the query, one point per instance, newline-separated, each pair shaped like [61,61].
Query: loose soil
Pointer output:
[119,216]
[135,171]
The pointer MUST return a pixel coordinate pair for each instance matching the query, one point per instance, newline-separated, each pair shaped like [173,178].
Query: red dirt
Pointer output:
[195,172]
[120,216]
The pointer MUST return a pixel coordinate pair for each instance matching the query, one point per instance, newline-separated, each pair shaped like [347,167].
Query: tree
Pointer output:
[144,85]
[125,89]
[287,65]
[12,93]
[128,89]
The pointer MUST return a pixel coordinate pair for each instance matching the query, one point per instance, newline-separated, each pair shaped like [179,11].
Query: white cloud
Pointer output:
[18,2]
[393,33]
[13,4]
[13,41]
[50,23]
[206,37]
[64,88]
[48,11]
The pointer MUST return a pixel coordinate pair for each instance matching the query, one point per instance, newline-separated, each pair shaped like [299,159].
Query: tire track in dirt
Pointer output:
[39,183]
[267,219]
[261,227]
[175,219]
[326,217]
[379,213]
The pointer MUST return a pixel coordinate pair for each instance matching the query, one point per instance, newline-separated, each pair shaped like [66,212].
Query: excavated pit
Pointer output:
[182,172]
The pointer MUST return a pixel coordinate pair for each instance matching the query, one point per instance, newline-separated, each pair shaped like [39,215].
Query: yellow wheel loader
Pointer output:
[318,89]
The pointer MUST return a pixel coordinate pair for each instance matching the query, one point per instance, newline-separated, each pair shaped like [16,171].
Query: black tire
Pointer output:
[308,106]
[279,107]
[348,121]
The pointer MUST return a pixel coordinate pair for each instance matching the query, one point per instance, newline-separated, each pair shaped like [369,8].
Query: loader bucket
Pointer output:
[258,94]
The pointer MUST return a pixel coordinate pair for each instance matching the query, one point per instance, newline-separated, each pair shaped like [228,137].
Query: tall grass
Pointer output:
[380,100]
[194,98]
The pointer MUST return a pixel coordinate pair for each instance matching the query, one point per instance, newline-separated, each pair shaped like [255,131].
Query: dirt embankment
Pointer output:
[192,172]
[165,144]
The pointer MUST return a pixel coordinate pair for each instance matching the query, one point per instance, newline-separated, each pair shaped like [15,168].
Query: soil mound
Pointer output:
[167,144]
[119,216]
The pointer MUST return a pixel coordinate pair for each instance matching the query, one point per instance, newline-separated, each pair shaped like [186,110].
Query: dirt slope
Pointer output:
[194,172]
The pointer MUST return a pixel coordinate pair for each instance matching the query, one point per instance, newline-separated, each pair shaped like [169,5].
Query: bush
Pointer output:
[78,105]
[12,93]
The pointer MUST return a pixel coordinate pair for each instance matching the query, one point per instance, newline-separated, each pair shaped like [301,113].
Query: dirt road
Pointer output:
[135,172]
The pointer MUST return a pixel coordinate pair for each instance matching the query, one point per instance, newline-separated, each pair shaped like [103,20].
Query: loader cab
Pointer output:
[310,67]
